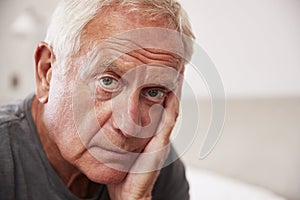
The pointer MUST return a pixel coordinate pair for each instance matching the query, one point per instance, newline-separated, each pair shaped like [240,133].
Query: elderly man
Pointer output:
[108,81]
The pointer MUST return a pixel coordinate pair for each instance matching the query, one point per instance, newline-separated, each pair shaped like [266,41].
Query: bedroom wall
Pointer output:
[23,24]
[254,44]
[255,48]
[259,144]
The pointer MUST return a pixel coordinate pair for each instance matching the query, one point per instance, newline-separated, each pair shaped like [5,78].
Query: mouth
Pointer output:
[117,159]
[112,150]
[116,149]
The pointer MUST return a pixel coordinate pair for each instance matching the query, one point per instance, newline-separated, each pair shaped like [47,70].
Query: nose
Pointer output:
[126,114]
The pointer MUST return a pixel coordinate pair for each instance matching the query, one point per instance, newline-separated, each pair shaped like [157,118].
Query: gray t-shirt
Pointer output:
[26,174]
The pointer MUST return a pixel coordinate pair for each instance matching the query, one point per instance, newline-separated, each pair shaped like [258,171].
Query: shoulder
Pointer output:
[11,117]
[12,144]
[11,120]
[8,117]
[8,113]
[14,116]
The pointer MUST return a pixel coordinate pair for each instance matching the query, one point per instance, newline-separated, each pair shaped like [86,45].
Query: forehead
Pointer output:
[129,32]
[113,20]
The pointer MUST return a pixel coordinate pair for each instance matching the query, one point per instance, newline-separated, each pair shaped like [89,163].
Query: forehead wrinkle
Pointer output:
[125,47]
[122,54]
[144,54]
[148,56]
[101,27]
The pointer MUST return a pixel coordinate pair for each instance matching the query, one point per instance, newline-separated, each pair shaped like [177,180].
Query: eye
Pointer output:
[155,94]
[109,83]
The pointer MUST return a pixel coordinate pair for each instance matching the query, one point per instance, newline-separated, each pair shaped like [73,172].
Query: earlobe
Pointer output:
[44,57]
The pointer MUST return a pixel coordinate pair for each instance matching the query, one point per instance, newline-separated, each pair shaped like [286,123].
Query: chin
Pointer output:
[106,175]
[110,172]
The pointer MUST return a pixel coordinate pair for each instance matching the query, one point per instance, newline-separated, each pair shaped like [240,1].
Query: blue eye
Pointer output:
[109,83]
[155,94]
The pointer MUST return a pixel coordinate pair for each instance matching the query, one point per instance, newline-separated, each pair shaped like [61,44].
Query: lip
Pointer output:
[117,151]
[115,159]
[105,144]
[114,150]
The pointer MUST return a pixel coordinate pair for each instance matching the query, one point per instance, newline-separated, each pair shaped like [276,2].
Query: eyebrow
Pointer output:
[114,68]
[102,64]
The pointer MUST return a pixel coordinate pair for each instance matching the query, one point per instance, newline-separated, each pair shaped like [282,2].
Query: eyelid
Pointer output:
[111,74]
[160,88]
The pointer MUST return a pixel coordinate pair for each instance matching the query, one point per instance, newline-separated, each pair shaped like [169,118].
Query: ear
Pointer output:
[44,58]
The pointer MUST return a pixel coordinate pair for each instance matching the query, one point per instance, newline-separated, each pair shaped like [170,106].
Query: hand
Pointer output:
[139,185]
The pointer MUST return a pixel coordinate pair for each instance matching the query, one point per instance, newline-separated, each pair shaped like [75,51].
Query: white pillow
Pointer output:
[205,185]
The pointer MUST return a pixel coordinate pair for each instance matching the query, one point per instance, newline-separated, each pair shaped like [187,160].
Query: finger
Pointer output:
[169,116]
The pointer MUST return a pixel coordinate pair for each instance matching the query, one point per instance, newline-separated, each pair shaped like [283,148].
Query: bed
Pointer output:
[207,185]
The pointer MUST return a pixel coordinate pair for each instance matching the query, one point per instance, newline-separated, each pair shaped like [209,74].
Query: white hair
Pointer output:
[71,16]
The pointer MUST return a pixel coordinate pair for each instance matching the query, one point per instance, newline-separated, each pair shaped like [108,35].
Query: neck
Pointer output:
[77,182]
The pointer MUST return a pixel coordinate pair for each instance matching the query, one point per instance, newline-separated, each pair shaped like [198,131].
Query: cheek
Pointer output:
[62,128]
[89,117]
[103,111]
[58,113]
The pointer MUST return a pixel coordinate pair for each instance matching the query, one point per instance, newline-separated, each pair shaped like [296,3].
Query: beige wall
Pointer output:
[17,46]
[260,143]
